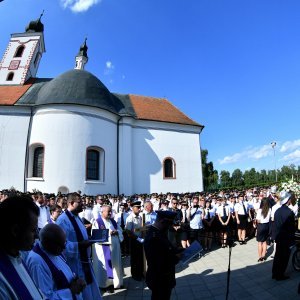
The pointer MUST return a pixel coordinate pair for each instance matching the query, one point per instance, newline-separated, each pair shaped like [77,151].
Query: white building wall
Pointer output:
[151,146]
[66,132]
[125,156]
[14,124]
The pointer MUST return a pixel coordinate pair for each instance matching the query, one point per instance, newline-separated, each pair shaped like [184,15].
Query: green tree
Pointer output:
[225,179]
[237,178]
[210,176]
[250,177]
[286,172]
[263,177]
[271,176]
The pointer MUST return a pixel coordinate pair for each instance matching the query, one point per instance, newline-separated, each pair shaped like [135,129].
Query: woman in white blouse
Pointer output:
[224,215]
[208,221]
[263,218]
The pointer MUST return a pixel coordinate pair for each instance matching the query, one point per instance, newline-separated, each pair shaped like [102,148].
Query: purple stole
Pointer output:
[106,248]
[13,278]
[83,252]
[58,276]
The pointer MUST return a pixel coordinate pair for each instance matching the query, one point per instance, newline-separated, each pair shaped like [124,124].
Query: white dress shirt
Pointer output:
[44,216]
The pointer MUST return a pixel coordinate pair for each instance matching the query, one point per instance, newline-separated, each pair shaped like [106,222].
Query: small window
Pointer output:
[10,76]
[19,51]
[38,162]
[169,168]
[95,164]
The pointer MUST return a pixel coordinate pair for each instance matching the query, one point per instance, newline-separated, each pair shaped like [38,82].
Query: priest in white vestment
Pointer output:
[107,261]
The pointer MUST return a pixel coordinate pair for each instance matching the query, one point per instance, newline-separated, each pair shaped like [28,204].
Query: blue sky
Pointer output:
[231,65]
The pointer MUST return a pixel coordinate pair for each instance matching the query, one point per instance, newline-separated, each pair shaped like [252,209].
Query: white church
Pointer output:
[71,133]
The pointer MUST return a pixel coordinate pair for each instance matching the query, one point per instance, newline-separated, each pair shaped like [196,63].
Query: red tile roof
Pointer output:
[10,94]
[158,109]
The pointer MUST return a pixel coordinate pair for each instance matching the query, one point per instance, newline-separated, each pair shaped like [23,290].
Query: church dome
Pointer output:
[78,87]
[36,25]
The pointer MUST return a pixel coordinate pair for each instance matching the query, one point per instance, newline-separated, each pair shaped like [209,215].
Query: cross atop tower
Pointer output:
[81,58]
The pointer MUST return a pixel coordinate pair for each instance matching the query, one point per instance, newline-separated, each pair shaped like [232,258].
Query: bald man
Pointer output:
[49,269]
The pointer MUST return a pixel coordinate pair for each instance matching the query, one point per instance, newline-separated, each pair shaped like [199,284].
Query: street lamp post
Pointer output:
[273,144]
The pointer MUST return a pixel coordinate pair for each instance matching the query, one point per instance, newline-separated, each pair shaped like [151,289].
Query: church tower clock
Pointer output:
[23,54]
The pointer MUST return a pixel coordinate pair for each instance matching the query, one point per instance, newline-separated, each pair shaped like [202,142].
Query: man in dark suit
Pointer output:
[161,257]
[284,226]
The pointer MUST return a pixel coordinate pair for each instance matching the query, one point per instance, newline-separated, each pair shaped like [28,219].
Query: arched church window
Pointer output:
[169,168]
[19,51]
[10,76]
[38,162]
[95,164]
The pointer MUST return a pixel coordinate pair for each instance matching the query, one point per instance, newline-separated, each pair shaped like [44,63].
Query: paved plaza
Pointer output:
[206,278]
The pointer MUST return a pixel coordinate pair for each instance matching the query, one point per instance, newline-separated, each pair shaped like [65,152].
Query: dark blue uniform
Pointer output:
[161,261]
[284,233]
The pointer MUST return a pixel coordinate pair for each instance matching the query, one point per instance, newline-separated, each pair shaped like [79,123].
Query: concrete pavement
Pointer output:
[206,278]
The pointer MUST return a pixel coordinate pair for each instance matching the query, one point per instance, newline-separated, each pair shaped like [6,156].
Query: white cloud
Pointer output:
[231,159]
[109,65]
[260,152]
[79,5]
[109,68]
[290,146]
[293,157]
[254,153]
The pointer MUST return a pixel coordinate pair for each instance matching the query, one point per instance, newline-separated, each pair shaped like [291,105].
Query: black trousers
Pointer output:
[125,245]
[161,293]
[136,260]
[281,259]
[196,235]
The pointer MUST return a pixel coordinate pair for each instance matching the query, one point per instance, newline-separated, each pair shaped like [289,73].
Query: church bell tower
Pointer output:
[81,58]
[23,54]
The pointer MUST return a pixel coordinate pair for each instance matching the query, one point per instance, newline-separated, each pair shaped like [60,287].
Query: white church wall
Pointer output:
[125,156]
[14,122]
[153,142]
[66,132]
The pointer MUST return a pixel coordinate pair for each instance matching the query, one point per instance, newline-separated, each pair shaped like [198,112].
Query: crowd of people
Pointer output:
[50,254]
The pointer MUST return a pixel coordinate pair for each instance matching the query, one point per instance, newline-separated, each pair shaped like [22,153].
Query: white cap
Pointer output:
[284,197]
[273,189]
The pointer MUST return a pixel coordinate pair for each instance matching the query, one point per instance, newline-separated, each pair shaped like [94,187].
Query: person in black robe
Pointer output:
[284,226]
[161,257]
